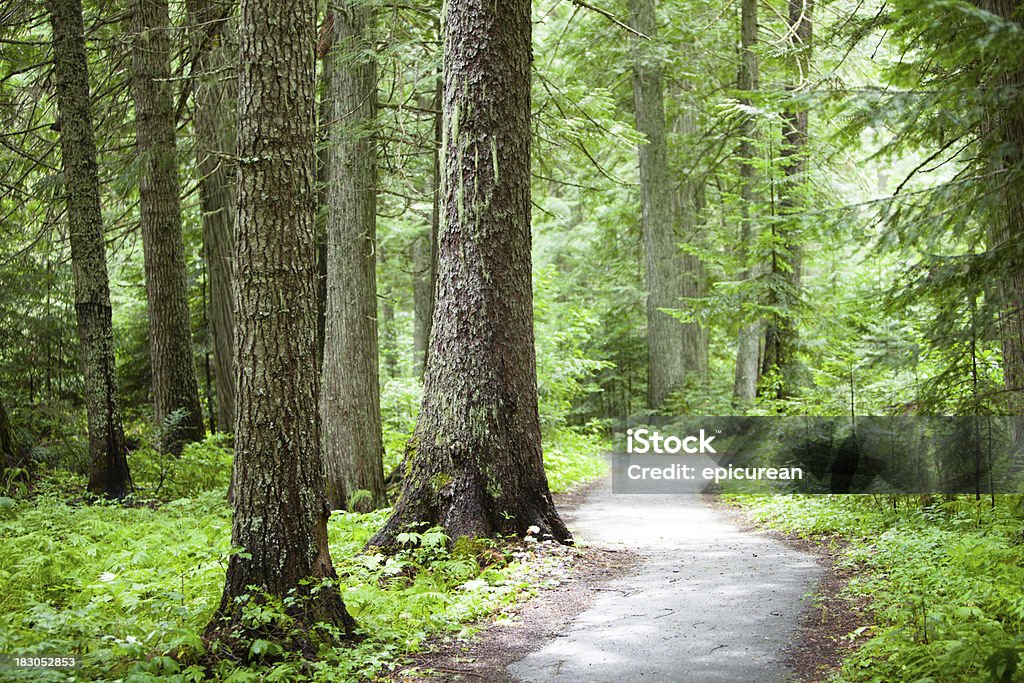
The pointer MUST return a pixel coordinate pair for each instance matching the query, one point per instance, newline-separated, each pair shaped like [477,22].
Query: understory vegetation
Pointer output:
[942,581]
[134,606]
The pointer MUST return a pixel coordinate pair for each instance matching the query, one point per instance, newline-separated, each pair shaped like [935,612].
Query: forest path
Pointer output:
[707,601]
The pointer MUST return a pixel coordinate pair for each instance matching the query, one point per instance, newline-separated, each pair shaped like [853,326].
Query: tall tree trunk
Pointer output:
[12,453]
[424,249]
[474,462]
[780,341]
[325,42]
[674,349]
[687,205]
[386,313]
[108,464]
[350,398]
[422,295]
[748,348]
[280,502]
[1006,234]
[175,387]
[323,116]
[214,124]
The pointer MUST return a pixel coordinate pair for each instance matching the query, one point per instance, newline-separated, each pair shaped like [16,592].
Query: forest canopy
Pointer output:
[868,244]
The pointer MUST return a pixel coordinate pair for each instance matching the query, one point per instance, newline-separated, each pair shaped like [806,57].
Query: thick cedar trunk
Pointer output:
[474,463]
[175,387]
[424,249]
[674,348]
[108,465]
[780,339]
[748,348]
[214,124]
[350,398]
[280,502]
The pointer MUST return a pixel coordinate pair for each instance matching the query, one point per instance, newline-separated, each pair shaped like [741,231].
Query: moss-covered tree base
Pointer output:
[259,628]
[449,488]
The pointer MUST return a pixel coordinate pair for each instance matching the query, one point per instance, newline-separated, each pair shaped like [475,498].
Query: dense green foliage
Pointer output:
[894,250]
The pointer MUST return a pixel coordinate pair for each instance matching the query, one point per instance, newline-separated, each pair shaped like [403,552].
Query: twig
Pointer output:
[610,17]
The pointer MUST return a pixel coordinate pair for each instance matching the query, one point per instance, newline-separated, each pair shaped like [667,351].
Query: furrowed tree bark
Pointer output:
[321,248]
[108,464]
[751,336]
[1006,232]
[670,275]
[473,465]
[424,250]
[324,44]
[280,501]
[350,399]
[175,387]
[780,339]
[214,124]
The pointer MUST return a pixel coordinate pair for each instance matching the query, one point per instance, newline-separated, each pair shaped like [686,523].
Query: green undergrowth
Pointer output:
[131,587]
[944,581]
